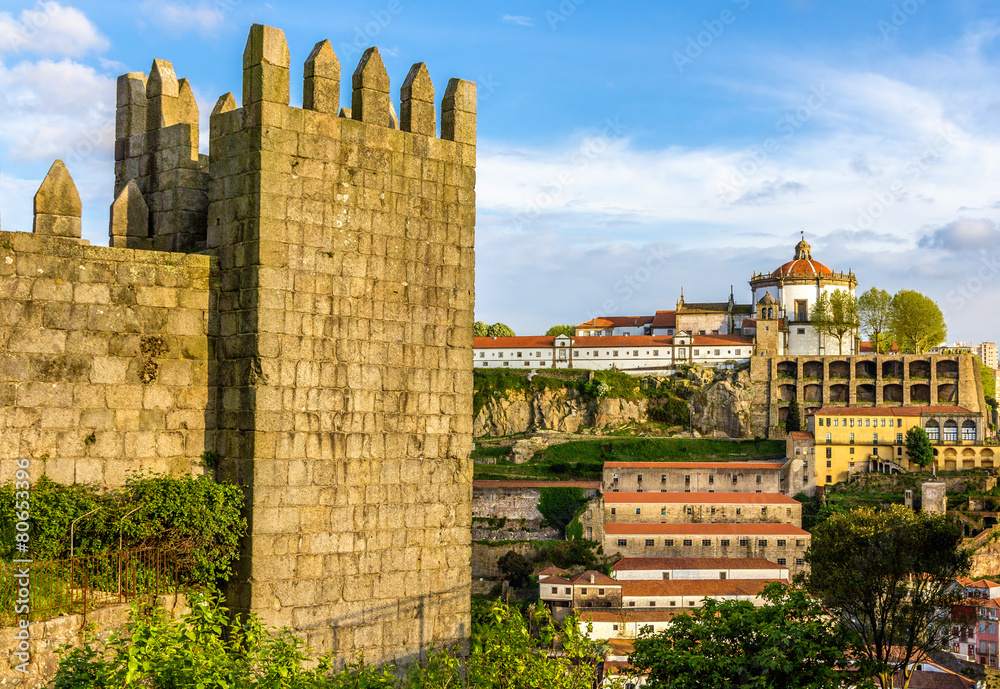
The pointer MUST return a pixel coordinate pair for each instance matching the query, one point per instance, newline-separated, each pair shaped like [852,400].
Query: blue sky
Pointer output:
[626,149]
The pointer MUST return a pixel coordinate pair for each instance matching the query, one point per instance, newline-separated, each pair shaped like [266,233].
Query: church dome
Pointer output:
[767,299]
[803,264]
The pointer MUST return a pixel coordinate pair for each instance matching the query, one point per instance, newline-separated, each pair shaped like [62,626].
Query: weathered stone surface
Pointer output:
[370,99]
[57,204]
[129,218]
[417,112]
[322,80]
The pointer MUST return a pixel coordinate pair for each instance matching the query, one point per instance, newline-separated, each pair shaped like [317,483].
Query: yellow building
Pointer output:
[851,440]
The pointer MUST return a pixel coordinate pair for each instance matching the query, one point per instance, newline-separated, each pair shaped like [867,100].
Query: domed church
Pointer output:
[783,300]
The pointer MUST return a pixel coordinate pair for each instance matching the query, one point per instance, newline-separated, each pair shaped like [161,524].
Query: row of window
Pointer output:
[687,478]
[829,439]
[707,542]
[868,421]
[688,490]
[690,509]
[580,353]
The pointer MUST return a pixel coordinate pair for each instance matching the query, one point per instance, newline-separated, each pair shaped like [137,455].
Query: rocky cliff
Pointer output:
[567,410]
[719,404]
[722,406]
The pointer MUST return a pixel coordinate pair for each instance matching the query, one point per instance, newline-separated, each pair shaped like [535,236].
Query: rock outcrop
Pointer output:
[723,407]
[564,410]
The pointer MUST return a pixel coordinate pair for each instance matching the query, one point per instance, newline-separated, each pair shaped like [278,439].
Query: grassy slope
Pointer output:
[585,458]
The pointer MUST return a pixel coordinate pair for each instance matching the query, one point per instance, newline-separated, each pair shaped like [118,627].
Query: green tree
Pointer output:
[888,576]
[836,314]
[916,323]
[787,642]
[918,447]
[794,420]
[500,330]
[561,330]
[989,378]
[515,568]
[480,329]
[874,316]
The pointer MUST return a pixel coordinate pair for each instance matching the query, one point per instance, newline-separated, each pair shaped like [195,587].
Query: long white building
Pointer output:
[625,353]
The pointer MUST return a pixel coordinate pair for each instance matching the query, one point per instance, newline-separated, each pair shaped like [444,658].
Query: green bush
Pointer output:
[560,504]
[196,517]
[209,649]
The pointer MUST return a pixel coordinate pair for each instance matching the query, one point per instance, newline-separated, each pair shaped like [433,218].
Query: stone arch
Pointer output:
[986,453]
[968,453]
[969,431]
[933,429]
[864,369]
[947,392]
[950,452]
[840,393]
[812,393]
[787,369]
[920,392]
[786,393]
[947,368]
[782,415]
[949,432]
[840,369]
[866,393]
[920,369]
[892,369]
[812,369]
[893,392]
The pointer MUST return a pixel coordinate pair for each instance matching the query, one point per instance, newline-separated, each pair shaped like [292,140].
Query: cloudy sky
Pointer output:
[626,150]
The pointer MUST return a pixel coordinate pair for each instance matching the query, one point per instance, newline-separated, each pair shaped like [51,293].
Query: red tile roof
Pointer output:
[588,341]
[512,342]
[632,564]
[628,616]
[552,571]
[891,411]
[701,498]
[801,435]
[706,529]
[735,464]
[553,580]
[484,484]
[708,340]
[617,322]
[583,578]
[665,319]
[695,587]
[802,268]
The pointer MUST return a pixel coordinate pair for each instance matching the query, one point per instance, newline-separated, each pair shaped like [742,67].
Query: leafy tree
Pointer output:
[574,530]
[516,568]
[918,447]
[787,642]
[499,330]
[875,315]
[888,576]
[794,420]
[916,322]
[989,378]
[836,314]
[561,330]
[480,329]
[506,655]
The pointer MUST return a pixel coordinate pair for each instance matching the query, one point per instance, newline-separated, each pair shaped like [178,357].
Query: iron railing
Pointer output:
[84,582]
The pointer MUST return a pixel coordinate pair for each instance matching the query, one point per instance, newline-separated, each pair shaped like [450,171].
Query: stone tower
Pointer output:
[341,329]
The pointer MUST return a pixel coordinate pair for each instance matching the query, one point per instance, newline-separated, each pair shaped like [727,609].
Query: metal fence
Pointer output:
[81,583]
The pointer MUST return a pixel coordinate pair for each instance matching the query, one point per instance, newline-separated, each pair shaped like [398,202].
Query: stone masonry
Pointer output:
[318,339]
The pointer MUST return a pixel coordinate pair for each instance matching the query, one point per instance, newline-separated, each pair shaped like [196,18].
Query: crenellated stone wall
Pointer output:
[317,336]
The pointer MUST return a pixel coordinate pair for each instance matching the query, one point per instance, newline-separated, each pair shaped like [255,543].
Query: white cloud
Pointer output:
[179,17]
[49,29]
[520,20]
[880,175]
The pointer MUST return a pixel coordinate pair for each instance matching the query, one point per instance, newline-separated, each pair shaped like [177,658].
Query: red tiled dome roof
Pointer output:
[803,265]
[803,268]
